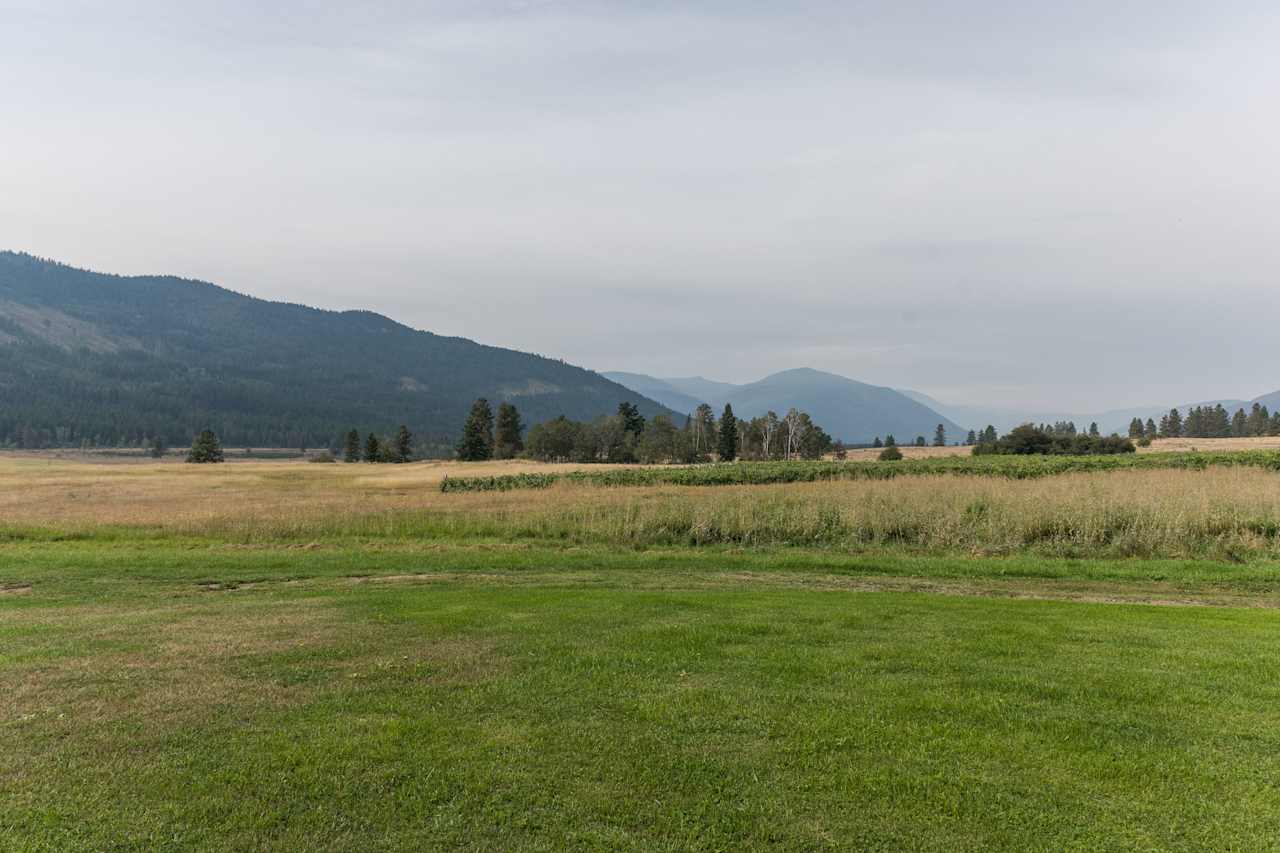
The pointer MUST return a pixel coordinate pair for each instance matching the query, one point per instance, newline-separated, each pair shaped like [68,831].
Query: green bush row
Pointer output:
[759,473]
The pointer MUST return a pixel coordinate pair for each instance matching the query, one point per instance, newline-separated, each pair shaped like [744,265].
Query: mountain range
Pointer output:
[88,357]
[855,412]
[106,359]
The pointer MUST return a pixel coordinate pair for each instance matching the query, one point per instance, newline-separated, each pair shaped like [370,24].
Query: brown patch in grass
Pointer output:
[15,588]
[185,662]
[1094,592]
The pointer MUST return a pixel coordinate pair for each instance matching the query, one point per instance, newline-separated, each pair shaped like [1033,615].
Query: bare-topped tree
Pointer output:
[768,429]
[796,428]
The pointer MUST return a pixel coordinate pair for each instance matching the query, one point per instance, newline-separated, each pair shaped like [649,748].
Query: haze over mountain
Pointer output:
[86,356]
[853,411]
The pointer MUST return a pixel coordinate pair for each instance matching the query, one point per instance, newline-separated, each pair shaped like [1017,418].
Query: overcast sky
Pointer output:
[1067,205]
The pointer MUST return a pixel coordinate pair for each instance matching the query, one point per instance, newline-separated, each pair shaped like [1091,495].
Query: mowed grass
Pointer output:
[471,713]
[295,657]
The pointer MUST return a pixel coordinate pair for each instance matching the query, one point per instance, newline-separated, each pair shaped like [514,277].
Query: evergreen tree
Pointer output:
[372,449]
[402,445]
[1194,424]
[1259,420]
[1150,431]
[1239,424]
[940,436]
[1135,428]
[477,433]
[205,449]
[632,420]
[507,441]
[878,442]
[728,447]
[157,448]
[890,441]
[989,435]
[971,439]
[1171,424]
[1093,429]
[920,441]
[351,449]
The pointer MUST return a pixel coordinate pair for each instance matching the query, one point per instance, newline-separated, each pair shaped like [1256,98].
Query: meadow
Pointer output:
[278,655]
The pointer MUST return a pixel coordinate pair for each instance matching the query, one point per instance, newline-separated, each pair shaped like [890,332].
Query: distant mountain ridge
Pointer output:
[847,409]
[87,356]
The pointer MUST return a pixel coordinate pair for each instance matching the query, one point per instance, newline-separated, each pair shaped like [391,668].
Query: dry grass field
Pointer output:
[1231,512]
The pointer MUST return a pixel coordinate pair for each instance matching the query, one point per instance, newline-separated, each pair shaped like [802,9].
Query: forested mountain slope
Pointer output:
[105,359]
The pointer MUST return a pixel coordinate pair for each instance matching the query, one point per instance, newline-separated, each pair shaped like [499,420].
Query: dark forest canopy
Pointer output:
[88,359]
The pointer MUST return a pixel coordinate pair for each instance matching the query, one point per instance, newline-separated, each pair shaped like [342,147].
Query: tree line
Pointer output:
[1209,422]
[1030,439]
[628,437]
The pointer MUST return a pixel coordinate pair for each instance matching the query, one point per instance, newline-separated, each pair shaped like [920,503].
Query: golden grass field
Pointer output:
[1220,512]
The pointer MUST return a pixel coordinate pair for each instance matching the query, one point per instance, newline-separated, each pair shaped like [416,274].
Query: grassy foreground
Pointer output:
[292,657]
[193,695]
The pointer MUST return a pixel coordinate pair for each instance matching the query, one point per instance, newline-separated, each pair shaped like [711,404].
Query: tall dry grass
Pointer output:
[1219,512]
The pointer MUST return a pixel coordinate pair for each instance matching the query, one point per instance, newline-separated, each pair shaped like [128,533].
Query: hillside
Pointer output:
[853,411]
[107,359]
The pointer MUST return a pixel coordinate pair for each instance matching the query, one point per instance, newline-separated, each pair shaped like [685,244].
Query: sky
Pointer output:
[1072,206]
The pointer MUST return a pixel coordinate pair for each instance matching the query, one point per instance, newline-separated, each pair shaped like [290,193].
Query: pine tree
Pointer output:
[920,441]
[1093,429]
[1150,431]
[890,441]
[1259,420]
[1239,424]
[157,448]
[507,443]
[971,439]
[1135,428]
[1171,424]
[477,434]
[205,449]
[351,450]
[989,435]
[940,436]
[632,420]
[878,442]
[402,445]
[728,447]
[372,449]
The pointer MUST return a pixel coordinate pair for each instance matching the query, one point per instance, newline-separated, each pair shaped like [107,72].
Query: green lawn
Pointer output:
[184,695]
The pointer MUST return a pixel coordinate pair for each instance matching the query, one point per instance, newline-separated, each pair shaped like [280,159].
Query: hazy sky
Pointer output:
[1050,204]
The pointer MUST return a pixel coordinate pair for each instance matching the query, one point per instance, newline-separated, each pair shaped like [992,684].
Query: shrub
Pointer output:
[890,454]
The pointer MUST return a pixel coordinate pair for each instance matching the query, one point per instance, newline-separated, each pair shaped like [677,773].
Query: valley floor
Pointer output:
[193,682]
